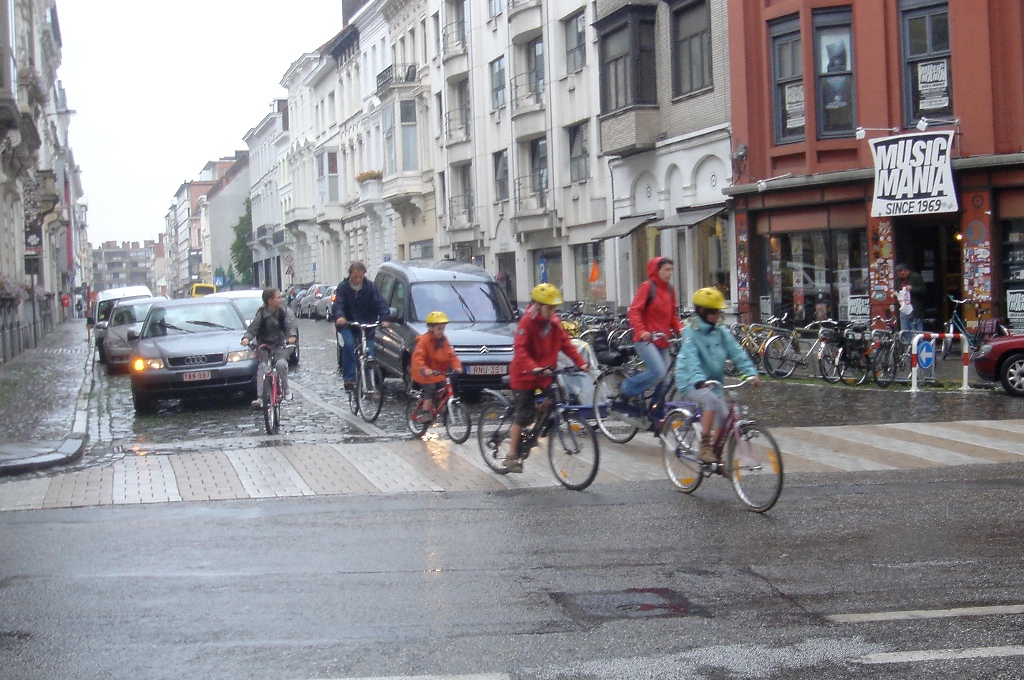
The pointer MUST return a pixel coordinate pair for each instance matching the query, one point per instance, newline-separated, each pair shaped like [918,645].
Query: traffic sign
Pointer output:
[289,271]
[925,354]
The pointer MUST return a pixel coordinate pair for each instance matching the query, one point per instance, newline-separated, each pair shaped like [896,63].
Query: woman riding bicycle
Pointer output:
[433,358]
[653,311]
[538,340]
[273,324]
[706,346]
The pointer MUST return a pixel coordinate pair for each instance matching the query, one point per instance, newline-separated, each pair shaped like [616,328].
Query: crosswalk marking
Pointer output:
[942,654]
[927,613]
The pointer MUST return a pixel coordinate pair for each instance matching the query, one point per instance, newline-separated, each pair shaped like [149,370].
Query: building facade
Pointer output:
[128,263]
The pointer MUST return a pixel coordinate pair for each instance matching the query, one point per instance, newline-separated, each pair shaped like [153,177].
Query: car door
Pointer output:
[388,341]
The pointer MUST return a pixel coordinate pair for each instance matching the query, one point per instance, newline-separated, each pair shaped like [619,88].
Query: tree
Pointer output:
[241,253]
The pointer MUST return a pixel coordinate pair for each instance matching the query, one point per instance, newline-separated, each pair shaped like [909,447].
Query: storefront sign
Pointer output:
[766,306]
[1015,308]
[913,175]
[860,308]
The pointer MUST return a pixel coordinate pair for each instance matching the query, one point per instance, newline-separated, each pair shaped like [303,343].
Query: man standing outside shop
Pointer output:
[910,291]
[356,299]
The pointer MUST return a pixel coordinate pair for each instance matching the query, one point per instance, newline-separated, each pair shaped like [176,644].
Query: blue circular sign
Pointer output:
[925,354]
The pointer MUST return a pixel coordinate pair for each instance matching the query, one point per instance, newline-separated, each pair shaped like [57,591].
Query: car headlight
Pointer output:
[239,355]
[984,351]
[142,364]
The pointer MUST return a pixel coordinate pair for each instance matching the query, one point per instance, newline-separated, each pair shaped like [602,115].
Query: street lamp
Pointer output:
[762,184]
[862,132]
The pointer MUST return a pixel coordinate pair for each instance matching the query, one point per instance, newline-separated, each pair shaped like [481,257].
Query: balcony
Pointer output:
[531,193]
[457,134]
[265,234]
[397,75]
[453,50]
[525,20]
[298,215]
[528,105]
[630,131]
[461,216]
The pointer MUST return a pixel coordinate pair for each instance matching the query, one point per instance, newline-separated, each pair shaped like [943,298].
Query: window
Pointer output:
[834,73]
[421,250]
[691,28]
[493,8]
[628,69]
[327,177]
[410,140]
[498,83]
[787,74]
[579,157]
[389,140]
[575,43]
[501,175]
[535,66]
[927,79]
[539,169]
[590,271]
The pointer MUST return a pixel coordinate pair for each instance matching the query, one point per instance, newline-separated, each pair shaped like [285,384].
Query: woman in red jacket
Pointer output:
[539,339]
[653,310]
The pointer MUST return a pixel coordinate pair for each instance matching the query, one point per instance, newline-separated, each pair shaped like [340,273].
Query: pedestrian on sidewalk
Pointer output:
[910,291]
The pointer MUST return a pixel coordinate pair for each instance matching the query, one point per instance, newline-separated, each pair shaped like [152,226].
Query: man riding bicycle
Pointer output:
[706,346]
[356,299]
[538,340]
[653,317]
[273,325]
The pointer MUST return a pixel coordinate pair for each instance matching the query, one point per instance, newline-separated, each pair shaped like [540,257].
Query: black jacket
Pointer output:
[366,306]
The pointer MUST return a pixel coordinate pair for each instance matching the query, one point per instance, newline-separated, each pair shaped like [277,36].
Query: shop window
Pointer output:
[715,255]
[591,283]
[834,83]
[787,75]
[547,267]
[927,77]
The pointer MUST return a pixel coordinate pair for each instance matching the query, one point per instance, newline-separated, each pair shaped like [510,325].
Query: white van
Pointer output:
[99,313]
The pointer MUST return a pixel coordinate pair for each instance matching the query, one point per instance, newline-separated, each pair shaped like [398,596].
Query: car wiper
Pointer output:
[173,327]
[465,306]
[210,324]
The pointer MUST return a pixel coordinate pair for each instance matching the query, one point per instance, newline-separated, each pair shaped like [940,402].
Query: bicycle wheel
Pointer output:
[370,390]
[781,355]
[492,434]
[271,409]
[573,451]
[680,448]
[828,362]
[612,423]
[854,368]
[416,417]
[947,342]
[883,367]
[754,463]
[457,421]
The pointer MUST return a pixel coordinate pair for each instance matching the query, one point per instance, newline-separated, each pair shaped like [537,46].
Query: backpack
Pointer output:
[652,292]
[263,322]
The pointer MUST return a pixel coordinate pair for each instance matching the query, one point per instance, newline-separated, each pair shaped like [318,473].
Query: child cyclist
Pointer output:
[433,358]
[706,346]
[538,340]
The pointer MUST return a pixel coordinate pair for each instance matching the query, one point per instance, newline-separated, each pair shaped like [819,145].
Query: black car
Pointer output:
[481,324]
[190,348]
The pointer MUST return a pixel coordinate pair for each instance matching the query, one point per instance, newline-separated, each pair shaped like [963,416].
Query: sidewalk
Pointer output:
[44,401]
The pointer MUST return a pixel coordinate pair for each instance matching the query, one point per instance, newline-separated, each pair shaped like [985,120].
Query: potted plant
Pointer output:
[367,175]
[370,184]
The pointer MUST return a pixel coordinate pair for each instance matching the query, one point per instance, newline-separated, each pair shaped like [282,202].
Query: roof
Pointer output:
[441,270]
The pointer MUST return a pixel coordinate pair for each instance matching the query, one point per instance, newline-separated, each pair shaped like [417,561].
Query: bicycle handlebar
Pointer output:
[712,383]
[357,324]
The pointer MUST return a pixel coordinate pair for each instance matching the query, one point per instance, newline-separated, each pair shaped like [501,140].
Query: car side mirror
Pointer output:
[132,335]
[393,312]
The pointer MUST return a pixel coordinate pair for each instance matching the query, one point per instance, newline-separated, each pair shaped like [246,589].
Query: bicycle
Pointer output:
[271,392]
[447,405]
[621,421]
[783,351]
[747,453]
[987,328]
[367,396]
[575,467]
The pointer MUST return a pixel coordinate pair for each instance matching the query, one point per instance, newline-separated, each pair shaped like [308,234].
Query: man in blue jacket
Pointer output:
[356,299]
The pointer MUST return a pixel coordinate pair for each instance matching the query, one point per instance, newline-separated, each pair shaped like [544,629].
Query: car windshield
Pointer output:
[129,314]
[460,301]
[249,305]
[192,319]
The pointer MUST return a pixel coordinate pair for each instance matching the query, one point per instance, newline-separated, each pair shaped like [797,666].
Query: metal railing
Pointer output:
[453,37]
[460,211]
[397,73]
[456,124]
[528,90]
[532,191]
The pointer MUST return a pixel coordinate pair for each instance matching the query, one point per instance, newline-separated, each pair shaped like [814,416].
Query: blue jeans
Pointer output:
[656,361]
[348,354]
[909,322]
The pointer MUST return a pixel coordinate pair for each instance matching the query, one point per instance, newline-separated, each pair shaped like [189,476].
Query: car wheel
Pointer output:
[407,376]
[144,405]
[1011,374]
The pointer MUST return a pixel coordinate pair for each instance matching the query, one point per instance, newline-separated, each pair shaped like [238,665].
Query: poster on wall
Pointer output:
[932,86]
[1015,308]
[860,308]
[913,175]
[794,106]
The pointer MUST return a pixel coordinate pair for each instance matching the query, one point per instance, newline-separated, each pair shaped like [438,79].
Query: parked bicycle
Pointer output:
[271,391]
[573,452]
[987,328]
[447,405]
[800,347]
[747,452]
[367,395]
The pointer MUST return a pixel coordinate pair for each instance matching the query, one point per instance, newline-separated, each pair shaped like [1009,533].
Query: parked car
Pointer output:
[325,306]
[482,321]
[248,301]
[294,304]
[292,290]
[190,348]
[308,303]
[126,315]
[100,312]
[1002,359]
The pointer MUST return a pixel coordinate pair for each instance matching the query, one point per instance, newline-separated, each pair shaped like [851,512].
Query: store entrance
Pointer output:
[932,248]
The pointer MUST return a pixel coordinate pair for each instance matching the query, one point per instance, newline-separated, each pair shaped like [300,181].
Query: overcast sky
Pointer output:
[159,89]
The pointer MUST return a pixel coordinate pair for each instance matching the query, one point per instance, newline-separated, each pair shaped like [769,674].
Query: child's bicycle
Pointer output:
[572,445]
[747,453]
[987,328]
[448,405]
[270,392]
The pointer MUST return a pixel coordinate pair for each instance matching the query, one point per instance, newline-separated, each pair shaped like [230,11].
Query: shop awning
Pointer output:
[689,217]
[624,227]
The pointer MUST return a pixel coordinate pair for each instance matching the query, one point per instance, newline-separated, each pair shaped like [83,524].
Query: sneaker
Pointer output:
[513,463]
[707,454]
[257,403]
[288,396]
[350,384]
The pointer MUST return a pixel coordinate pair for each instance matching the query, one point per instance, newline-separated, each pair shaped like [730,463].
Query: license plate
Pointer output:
[495,369]
[192,376]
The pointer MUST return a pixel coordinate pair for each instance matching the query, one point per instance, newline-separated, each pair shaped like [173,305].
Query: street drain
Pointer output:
[634,603]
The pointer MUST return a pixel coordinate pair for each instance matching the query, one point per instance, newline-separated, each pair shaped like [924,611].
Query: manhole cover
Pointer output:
[634,603]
